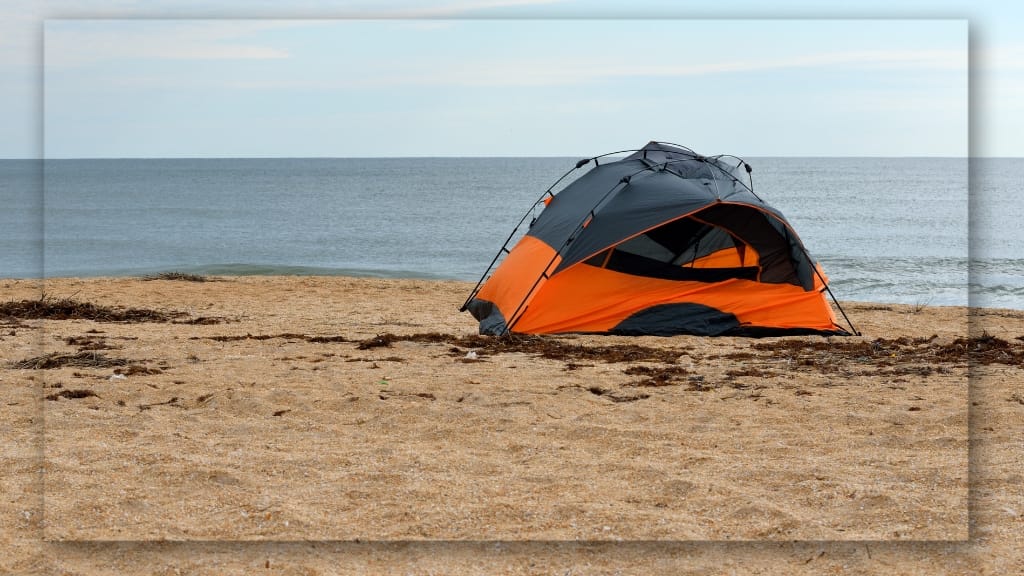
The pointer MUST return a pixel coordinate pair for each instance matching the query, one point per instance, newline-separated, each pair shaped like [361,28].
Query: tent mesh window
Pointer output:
[684,249]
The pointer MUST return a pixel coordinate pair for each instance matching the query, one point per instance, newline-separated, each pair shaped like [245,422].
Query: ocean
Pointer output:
[885,229]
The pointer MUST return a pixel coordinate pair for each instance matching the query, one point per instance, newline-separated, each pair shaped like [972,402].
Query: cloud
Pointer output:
[74,43]
[553,72]
[550,71]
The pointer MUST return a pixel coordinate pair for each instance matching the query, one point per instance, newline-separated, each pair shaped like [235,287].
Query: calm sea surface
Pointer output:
[885,229]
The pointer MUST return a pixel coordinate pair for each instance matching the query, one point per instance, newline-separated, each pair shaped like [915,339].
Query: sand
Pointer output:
[313,425]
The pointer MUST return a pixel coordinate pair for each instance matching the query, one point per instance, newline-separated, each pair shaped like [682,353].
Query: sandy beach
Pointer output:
[321,425]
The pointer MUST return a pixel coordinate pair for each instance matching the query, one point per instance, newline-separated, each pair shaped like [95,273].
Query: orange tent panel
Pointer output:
[727,258]
[520,275]
[586,298]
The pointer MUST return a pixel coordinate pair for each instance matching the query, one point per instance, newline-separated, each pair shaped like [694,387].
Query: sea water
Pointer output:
[938,231]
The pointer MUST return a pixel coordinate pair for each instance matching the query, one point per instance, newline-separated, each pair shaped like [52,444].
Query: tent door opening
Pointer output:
[685,249]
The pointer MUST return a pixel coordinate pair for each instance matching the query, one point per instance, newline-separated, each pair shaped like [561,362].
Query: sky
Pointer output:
[223,78]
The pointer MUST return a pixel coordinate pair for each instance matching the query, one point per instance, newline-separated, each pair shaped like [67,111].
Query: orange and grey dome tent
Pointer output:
[662,242]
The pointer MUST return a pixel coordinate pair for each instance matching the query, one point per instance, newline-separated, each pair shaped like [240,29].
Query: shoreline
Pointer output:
[267,408]
[468,284]
[226,272]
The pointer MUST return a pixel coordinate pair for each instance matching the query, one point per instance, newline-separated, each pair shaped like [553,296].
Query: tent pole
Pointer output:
[838,305]
[514,318]
[504,247]
[829,290]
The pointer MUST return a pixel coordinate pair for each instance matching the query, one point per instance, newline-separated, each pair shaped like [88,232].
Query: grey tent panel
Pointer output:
[658,185]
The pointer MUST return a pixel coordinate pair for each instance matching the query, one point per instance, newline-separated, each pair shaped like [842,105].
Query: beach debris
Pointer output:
[51,308]
[86,359]
[136,369]
[72,394]
[614,396]
[551,348]
[285,335]
[201,320]
[89,342]
[325,339]
[172,402]
[626,397]
[657,376]
[373,361]
[470,356]
[116,376]
[750,371]
[385,395]
[881,353]
[247,336]
[178,276]
[378,341]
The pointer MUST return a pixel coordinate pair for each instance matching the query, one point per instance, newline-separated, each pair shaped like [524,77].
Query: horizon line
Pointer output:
[486,156]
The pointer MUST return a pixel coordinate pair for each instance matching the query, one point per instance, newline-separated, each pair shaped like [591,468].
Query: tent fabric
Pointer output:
[662,242]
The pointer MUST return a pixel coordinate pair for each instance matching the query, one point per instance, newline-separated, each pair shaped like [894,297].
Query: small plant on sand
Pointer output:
[920,305]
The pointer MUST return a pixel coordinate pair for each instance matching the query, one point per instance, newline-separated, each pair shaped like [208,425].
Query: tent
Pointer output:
[661,242]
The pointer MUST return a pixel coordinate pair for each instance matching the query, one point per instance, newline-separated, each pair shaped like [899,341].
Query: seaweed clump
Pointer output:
[51,308]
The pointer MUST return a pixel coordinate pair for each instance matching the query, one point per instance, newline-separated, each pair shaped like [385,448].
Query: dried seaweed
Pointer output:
[85,359]
[177,276]
[546,347]
[72,394]
[51,308]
